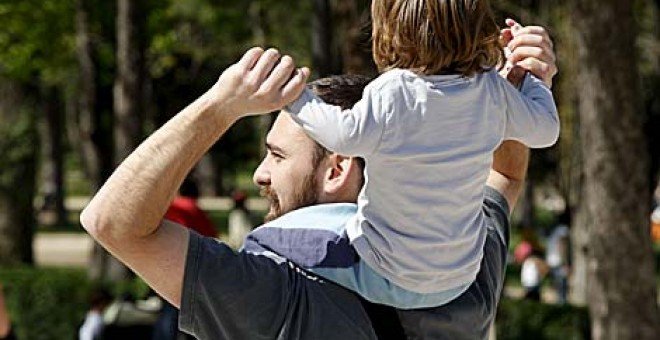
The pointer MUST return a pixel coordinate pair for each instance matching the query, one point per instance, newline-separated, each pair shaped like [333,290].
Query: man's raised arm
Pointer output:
[125,216]
[532,50]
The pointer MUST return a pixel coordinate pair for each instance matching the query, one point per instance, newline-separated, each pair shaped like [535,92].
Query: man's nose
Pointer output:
[261,175]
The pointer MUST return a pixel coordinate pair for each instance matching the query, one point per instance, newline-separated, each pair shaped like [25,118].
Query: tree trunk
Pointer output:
[527,206]
[128,82]
[322,51]
[570,171]
[128,97]
[355,33]
[53,156]
[94,140]
[650,46]
[19,150]
[622,293]
[579,279]
[92,137]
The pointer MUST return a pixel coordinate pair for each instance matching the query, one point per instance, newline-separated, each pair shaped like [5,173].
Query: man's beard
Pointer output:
[304,196]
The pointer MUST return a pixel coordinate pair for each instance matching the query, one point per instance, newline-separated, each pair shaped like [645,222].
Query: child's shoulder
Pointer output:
[395,78]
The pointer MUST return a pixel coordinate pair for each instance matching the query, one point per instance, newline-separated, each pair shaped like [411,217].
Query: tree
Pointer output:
[129,80]
[53,150]
[354,30]
[35,64]
[322,50]
[128,108]
[19,148]
[92,123]
[622,294]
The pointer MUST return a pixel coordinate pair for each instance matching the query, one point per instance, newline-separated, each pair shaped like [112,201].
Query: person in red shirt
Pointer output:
[185,211]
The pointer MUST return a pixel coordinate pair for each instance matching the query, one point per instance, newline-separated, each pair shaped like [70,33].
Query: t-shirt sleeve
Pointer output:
[229,295]
[497,210]
[531,114]
[353,132]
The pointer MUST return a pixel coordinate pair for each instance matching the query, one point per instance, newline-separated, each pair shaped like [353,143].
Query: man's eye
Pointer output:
[277,155]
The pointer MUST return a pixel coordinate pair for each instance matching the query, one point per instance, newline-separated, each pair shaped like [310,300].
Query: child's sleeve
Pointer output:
[531,114]
[353,132]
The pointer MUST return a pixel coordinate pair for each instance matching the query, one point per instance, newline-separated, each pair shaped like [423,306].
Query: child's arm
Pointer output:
[353,132]
[531,114]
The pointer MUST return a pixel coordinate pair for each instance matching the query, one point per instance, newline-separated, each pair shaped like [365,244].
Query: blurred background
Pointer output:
[82,82]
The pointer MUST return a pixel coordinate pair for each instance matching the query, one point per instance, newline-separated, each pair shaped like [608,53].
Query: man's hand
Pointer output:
[531,50]
[261,82]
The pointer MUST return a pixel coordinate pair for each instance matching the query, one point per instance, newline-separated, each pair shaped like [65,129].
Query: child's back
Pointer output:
[428,146]
[427,128]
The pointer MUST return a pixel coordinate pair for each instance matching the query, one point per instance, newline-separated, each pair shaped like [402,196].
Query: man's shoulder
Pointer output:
[282,300]
[310,237]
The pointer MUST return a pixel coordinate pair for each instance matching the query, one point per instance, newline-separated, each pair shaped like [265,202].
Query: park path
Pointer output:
[77,203]
[73,249]
[62,249]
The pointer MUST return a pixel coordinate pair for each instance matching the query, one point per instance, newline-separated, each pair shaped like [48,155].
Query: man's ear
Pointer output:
[336,178]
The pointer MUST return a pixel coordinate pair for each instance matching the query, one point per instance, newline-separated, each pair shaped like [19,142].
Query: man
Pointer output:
[223,294]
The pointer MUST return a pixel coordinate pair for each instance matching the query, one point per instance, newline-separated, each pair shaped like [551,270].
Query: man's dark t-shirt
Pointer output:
[229,295]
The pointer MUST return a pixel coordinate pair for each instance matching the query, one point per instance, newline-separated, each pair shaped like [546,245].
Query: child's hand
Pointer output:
[261,82]
[531,49]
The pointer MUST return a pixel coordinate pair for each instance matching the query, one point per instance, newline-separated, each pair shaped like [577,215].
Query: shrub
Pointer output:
[46,303]
[524,319]
[51,303]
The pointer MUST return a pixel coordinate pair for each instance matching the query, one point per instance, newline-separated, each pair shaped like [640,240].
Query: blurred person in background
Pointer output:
[185,211]
[558,256]
[529,254]
[92,328]
[532,273]
[240,221]
[6,331]
[655,217]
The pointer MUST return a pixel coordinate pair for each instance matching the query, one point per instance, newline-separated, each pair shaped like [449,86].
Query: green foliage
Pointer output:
[523,319]
[37,40]
[50,303]
[46,303]
[18,147]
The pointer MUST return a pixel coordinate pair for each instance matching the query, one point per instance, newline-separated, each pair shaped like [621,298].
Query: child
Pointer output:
[427,129]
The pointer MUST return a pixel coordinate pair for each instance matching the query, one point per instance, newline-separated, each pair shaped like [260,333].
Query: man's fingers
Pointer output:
[295,85]
[280,75]
[526,39]
[525,52]
[510,22]
[535,30]
[540,69]
[264,66]
[250,58]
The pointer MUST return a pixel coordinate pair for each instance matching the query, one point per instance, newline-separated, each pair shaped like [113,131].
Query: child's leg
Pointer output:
[373,287]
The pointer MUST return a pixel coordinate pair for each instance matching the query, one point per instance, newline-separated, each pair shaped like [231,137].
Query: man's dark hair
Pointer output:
[341,90]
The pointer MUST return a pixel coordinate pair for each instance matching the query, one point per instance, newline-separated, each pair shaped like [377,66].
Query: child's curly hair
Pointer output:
[435,36]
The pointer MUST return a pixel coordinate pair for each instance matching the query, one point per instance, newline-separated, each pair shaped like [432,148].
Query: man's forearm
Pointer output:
[509,169]
[134,199]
